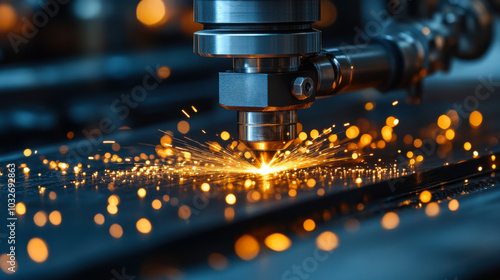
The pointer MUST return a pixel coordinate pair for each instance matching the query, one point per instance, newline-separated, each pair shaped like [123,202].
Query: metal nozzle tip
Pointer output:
[267,132]
[264,157]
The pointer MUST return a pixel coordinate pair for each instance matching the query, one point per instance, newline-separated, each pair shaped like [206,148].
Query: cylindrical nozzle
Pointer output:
[267,132]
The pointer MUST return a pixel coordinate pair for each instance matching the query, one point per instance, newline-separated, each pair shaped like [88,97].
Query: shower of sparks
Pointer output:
[316,163]
[193,158]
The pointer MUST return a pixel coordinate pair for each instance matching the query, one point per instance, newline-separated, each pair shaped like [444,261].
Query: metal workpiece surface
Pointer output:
[177,243]
[79,248]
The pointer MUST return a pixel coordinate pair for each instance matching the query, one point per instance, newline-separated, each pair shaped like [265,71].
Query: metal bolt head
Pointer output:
[303,88]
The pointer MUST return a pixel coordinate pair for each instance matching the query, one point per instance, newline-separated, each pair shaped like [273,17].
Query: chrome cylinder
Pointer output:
[255,11]
[266,65]
[257,28]
[255,43]
[267,132]
[262,37]
[352,68]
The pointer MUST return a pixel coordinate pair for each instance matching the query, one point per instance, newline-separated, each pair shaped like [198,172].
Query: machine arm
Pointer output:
[279,65]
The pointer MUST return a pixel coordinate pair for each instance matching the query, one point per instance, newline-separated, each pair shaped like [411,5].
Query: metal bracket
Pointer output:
[262,91]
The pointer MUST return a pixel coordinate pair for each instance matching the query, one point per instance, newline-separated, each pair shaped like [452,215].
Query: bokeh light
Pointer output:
[40,218]
[99,219]
[20,208]
[390,221]
[475,119]
[432,209]
[247,247]
[309,225]
[55,217]
[277,242]
[8,17]
[151,12]
[38,250]
[327,241]
[116,231]
[143,225]
[425,196]
[453,205]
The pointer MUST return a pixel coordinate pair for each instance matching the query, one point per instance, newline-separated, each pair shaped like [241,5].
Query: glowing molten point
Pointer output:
[151,12]
[265,169]
[263,158]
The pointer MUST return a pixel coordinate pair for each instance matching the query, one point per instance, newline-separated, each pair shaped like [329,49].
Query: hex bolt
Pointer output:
[303,88]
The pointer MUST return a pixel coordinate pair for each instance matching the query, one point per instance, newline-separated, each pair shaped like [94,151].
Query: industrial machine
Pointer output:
[112,124]
[280,65]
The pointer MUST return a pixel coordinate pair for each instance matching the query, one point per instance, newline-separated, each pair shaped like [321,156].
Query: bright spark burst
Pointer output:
[194,158]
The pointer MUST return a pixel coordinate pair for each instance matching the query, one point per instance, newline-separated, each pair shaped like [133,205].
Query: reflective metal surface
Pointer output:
[264,38]
[227,43]
[349,69]
[303,88]
[267,130]
[327,77]
[404,51]
[263,65]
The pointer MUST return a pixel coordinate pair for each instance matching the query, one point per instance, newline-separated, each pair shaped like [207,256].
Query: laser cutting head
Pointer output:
[267,41]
